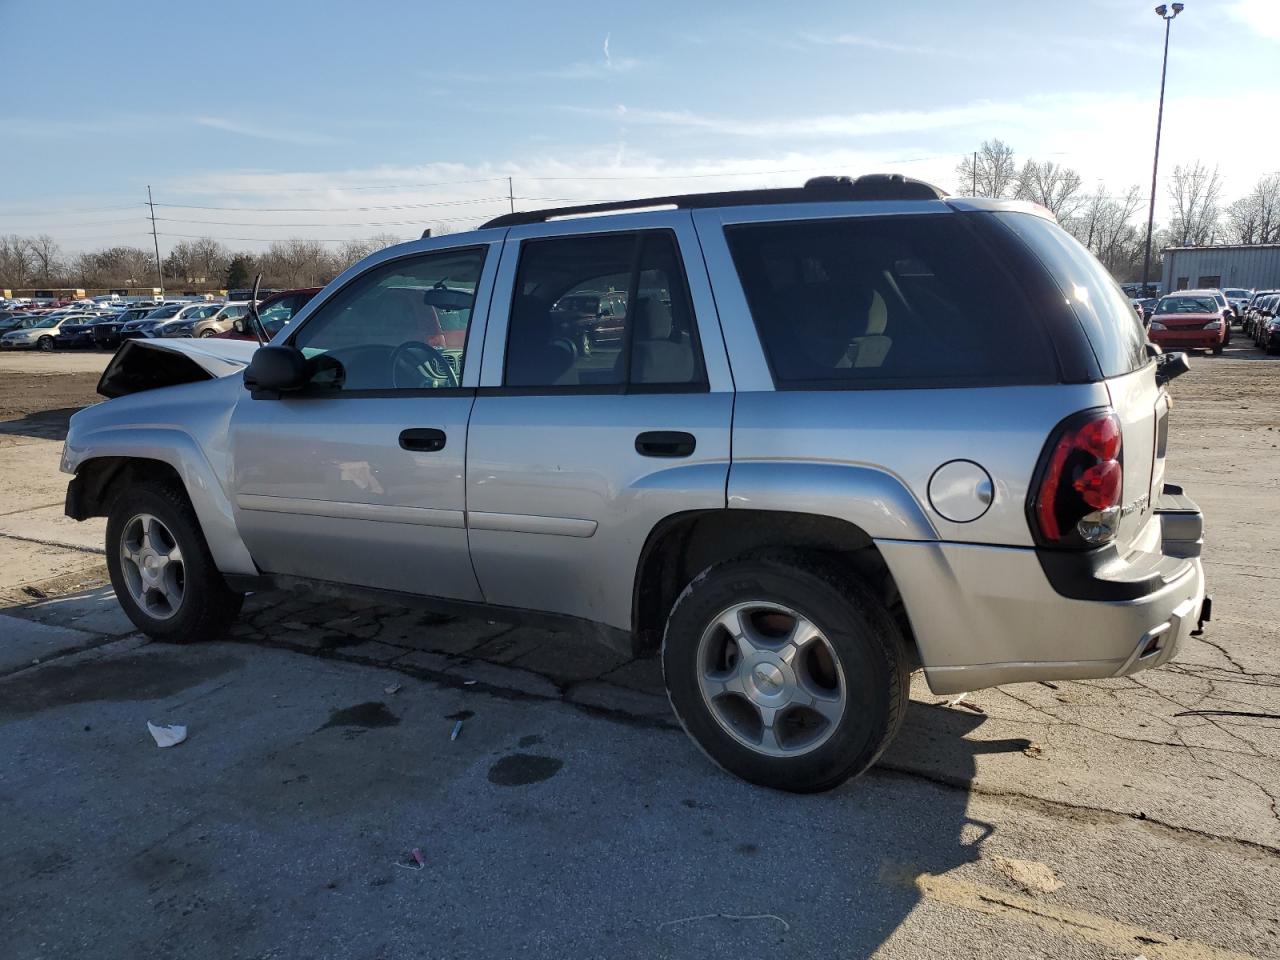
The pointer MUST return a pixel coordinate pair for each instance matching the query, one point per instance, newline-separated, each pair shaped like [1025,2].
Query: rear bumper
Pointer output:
[984,616]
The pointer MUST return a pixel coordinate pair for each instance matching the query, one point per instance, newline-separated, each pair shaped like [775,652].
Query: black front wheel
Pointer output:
[161,569]
[45,344]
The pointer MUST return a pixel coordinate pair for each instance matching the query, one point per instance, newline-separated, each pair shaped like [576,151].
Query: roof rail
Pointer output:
[871,186]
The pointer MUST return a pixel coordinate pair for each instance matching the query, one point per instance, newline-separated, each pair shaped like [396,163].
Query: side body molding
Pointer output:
[872,499]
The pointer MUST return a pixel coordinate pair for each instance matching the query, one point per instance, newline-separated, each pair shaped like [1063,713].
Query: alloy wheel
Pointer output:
[771,679]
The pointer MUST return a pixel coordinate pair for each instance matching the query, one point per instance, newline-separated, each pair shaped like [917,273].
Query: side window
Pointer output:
[604,310]
[400,326]
[885,302]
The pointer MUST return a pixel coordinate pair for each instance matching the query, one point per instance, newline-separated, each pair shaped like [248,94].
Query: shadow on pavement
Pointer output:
[43,425]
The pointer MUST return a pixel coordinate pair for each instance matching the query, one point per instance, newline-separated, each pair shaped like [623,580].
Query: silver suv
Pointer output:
[798,442]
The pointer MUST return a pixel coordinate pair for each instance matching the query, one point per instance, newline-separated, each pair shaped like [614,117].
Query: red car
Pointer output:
[275,311]
[1181,321]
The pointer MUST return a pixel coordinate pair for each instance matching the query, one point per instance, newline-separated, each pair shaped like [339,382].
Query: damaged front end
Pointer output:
[150,364]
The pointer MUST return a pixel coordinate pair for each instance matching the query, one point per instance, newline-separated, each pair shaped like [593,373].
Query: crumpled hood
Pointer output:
[148,364]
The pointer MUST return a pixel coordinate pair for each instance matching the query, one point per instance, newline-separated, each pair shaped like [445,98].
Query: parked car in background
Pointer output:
[1269,327]
[800,472]
[1237,297]
[1265,312]
[76,332]
[15,321]
[1249,321]
[149,325]
[1148,306]
[106,335]
[275,311]
[1224,307]
[38,336]
[1185,320]
[206,320]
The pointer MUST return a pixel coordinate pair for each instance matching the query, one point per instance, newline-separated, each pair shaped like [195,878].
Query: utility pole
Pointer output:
[156,240]
[975,173]
[1162,11]
[511,196]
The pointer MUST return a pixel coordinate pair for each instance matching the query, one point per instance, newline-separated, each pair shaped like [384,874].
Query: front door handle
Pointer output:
[422,439]
[665,443]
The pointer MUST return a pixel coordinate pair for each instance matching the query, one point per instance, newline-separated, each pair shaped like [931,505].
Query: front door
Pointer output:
[605,406]
[359,478]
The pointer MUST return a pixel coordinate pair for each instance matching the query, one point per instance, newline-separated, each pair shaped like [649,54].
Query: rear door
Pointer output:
[592,425]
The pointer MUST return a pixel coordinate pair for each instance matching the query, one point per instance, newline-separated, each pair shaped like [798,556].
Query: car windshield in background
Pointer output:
[202,312]
[1237,294]
[164,313]
[1187,305]
[46,321]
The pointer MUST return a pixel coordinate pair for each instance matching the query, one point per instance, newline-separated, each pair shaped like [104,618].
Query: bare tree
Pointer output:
[1106,224]
[1053,186]
[298,263]
[16,262]
[45,255]
[1255,217]
[1195,192]
[993,175]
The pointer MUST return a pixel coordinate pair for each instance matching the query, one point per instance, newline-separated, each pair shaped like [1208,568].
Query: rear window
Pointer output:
[882,302]
[1109,321]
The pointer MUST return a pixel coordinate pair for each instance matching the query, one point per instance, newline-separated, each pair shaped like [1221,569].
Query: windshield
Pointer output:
[1237,293]
[47,321]
[164,313]
[201,312]
[1187,305]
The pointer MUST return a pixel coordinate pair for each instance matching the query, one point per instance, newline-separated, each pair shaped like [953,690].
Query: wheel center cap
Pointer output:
[767,678]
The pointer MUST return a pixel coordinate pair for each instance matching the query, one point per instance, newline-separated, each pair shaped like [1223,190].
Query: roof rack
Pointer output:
[871,186]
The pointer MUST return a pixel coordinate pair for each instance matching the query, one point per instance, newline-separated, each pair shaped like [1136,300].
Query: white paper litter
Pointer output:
[169,736]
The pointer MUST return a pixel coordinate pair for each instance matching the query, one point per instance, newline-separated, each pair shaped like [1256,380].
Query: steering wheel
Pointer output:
[435,362]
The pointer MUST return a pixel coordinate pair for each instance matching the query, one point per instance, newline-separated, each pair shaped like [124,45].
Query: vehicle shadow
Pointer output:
[42,425]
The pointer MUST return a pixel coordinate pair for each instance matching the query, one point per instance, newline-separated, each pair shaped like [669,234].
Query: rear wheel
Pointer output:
[785,670]
[161,569]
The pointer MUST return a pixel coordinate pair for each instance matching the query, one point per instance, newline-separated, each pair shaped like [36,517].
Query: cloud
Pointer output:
[822,126]
[872,43]
[588,69]
[1263,16]
[274,134]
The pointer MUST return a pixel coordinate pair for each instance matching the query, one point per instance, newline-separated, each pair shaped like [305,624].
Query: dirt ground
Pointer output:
[1103,820]
[48,385]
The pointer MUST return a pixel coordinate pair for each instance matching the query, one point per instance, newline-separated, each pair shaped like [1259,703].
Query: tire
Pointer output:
[205,607]
[45,344]
[862,655]
[1217,349]
[205,333]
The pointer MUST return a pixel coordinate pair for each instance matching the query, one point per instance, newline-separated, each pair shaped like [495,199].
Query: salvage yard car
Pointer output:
[205,320]
[1188,320]
[798,472]
[38,335]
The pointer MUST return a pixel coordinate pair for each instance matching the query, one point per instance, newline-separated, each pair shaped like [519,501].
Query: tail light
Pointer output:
[1079,482]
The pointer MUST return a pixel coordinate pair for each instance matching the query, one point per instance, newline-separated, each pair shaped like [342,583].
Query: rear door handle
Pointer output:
[665,443]
[422,439]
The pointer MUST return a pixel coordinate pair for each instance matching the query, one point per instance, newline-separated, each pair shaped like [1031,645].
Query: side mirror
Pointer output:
[1169,366]
[238,325]
[275,370]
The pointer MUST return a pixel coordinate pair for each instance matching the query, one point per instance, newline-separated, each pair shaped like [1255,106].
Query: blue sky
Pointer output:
[300,117]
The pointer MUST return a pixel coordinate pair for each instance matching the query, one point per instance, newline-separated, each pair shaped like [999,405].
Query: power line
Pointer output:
[193,236]
[373,223]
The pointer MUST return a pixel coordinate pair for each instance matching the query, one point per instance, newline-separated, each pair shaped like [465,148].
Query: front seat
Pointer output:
[660,354]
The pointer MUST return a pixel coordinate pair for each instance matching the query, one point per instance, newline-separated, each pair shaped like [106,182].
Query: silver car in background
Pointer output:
[821,436]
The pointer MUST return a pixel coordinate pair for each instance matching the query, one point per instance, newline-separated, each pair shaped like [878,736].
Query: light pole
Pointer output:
[1163,12]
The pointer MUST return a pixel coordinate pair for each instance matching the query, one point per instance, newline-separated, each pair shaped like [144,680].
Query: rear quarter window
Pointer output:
[886,302]
[1109,322]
